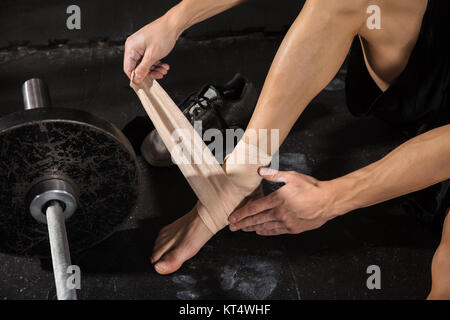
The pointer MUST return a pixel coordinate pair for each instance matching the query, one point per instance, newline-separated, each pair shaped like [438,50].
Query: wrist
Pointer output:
[176,19]
[344,194]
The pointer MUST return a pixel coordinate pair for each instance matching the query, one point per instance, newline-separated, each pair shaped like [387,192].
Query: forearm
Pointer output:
[189,12]
[309,57]
[415,165]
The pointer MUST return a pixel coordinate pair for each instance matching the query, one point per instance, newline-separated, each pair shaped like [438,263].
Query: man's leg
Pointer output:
[440,267]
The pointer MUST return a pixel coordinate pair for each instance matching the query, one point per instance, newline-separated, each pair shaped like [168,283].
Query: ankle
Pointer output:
[196,222]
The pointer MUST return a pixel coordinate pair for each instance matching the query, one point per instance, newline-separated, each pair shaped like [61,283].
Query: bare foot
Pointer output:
[179,241]
[183,239]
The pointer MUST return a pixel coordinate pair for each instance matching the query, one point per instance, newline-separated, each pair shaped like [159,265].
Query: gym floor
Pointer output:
[328,263]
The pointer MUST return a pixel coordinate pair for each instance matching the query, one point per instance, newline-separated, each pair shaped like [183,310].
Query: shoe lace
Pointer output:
[195,104]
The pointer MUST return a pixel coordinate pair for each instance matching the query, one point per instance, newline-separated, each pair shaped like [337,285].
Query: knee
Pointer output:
[441,258]
[440,271]
[440,266]
[345,8]
[346,14]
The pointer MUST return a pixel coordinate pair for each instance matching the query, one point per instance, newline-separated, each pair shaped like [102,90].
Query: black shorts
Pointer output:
[418,101]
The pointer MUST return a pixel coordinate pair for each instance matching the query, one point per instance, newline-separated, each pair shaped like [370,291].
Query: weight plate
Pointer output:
[75,146]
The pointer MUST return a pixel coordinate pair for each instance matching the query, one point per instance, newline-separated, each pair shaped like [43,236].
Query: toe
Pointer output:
[170,262]
[160,248]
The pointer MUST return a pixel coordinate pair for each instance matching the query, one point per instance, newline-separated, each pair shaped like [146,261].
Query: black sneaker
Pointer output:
[220,107]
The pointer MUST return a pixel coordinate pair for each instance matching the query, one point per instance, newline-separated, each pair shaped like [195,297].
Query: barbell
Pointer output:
[66,176]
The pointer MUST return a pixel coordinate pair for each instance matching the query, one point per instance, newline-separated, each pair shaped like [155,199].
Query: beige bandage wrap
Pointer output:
[219,190]
[242,179]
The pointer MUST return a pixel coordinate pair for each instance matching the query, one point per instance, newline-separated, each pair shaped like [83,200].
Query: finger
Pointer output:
[128,66]
[156,75]
[155,65]
[274,175]
[273,232]
[160,70]
[255,206]
[143,68]
[268,215]
[131,59]
[270,225]
[162,65]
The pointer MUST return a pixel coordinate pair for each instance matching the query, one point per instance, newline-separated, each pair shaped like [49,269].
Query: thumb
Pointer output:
[143,68]
[273,175]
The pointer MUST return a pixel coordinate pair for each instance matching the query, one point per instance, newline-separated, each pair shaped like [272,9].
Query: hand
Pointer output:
[145,48]
[302,204]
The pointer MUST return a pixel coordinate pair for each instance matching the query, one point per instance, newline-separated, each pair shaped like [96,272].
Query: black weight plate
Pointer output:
[75,146]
